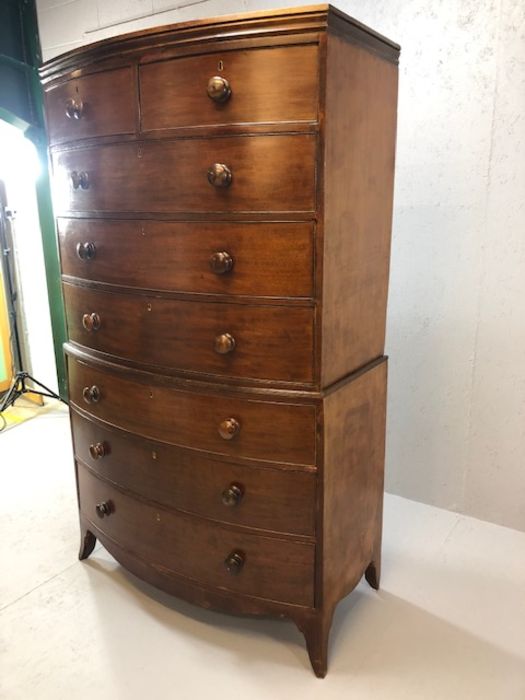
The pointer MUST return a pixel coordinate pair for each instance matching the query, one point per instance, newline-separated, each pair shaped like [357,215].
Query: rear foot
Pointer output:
[373,574]
[87,543]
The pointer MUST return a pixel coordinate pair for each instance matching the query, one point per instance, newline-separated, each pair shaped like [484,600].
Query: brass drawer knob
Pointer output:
[91,322]
[232,495]
[219,175]
[224,344]
[219,89]
[91,394]
[79,179]
[221,262]
[229,428]
[98,450]
[74,109]
[86,251]
[104,509]
[234,562]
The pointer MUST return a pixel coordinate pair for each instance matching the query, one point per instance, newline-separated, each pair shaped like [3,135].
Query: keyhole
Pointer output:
[220,65]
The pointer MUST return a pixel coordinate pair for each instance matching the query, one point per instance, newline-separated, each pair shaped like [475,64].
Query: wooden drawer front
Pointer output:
[273,568]
[276,432]
[269,173]
[241,340]
[267,85]
[270,499]
[267,259]
[101,104]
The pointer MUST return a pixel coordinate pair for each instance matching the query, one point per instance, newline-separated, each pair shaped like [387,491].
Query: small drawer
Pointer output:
[235,87]
[101,104]
[269,499]
[256,259]
[242,428]
[236,340]
[220,175]
[214,555]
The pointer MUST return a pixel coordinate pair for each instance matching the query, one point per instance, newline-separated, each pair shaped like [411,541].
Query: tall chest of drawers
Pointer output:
[223,191]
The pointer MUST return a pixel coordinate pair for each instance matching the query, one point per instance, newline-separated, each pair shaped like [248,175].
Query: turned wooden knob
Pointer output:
[98,450]
[219,89]
[91,322]
[229,428]
[234,562]
[219,175]
[221,262]
[103,509]
[86,251]
[91,394]
[224,344]
[232,495]
[79,179]
[74,109]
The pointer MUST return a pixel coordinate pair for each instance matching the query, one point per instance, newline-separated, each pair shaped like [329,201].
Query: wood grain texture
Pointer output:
[206,596]
[269,259]
[108,106]
[267,85]
[265,25]
[274,432]
[197,549]
[353,475]
[271,342]
[226,368]
[272,499]
[270,173]
[360,129]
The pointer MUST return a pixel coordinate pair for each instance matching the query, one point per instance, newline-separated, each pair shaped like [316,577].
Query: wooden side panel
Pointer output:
[361,103]
[354,449]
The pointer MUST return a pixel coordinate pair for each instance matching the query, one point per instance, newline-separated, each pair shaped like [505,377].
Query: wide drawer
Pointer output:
[262,259]
[237,340]
[206,552]
[270,499]
[268,174]
[248,86]
[217,423]
[101,104]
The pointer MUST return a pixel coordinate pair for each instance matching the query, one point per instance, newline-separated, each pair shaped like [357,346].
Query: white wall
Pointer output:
[456,325]
[19,167]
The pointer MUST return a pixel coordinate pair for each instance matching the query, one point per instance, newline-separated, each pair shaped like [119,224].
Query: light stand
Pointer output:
[18,386]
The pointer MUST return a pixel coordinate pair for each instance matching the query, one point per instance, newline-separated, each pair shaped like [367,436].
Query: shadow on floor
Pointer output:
[377,638]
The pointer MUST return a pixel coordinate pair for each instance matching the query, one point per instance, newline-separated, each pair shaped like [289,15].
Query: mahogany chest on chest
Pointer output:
[223,192]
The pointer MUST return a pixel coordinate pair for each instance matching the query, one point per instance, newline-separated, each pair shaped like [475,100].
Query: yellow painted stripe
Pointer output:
[6,359]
